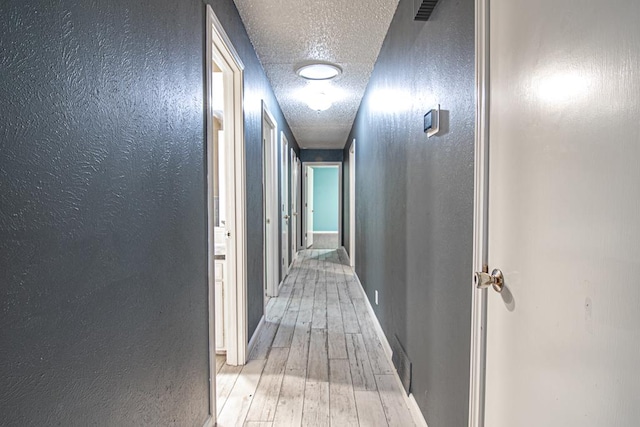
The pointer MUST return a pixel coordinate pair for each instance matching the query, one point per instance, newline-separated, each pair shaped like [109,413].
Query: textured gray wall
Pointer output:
[256,89]
[103,289]
[414,202]
[103,262]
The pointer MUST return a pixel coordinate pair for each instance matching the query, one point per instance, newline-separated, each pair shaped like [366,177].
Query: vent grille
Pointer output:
[402,363]
[423,9]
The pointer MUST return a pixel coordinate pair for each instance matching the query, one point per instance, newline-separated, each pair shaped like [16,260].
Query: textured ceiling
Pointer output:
[288,33]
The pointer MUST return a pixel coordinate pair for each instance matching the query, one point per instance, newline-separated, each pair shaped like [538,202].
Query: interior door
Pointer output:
[299,208]
[222,184]
[563,337]
[272,211]
[284,204]
[294,203]
[308,191]
[352,204]
[224,192]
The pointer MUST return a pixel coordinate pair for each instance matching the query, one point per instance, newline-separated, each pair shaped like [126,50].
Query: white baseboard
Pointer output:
[254,337]
[376,323]
[418,416]
[416,413]
[210,422]
[286,274]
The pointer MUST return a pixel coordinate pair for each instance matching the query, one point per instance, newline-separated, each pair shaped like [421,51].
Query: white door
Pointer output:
[271,211]
[299,207]
[352,204]
[308,191]
[294,203]
[284,204]
[563,338]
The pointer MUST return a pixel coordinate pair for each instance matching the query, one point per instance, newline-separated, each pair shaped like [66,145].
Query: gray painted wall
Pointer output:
[102,222]
[415,200]
[103,287]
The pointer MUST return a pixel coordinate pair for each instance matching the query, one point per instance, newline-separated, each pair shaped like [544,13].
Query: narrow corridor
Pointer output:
[317,360]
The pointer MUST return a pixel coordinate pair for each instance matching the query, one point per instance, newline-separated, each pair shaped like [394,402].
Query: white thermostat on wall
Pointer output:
[432,121]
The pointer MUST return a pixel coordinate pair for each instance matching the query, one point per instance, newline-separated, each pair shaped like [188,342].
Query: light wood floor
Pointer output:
[325,241]
[317,360]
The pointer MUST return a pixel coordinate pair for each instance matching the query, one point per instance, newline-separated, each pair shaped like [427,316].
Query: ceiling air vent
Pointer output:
[423,9]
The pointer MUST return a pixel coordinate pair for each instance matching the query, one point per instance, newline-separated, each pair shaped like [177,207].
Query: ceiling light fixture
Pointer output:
[319,101]
[320,95]
[319,71]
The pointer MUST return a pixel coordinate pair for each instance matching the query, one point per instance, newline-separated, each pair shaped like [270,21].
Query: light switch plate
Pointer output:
[432,122]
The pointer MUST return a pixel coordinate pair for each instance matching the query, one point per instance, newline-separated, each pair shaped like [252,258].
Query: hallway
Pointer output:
[317,360]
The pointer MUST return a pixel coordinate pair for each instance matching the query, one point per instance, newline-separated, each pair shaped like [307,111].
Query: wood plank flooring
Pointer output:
[317,361]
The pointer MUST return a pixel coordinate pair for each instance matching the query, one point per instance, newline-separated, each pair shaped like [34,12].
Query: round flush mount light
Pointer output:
[319,101]
[319,71]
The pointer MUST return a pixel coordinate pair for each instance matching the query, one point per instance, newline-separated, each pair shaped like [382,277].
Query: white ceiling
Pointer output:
[288,33]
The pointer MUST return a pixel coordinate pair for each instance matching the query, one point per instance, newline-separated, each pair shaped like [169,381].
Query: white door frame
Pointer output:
[352,204]
[285,211]
[481,181]
[270,199]
[236,224]
[295,195]
[304,186]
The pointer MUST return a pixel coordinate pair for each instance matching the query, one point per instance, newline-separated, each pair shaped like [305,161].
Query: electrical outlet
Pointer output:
[376,293]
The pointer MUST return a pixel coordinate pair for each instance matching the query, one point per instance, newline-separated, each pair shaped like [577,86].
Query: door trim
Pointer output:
[237,327]
[340,201]
[480,206]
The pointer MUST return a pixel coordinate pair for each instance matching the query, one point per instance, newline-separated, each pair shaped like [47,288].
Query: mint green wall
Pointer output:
[325,198]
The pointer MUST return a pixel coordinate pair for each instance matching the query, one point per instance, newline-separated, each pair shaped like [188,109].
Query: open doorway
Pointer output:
[322,215]
[225,206]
